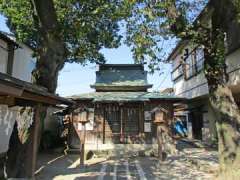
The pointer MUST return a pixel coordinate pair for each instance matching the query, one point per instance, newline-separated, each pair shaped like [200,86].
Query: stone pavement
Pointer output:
[191,163]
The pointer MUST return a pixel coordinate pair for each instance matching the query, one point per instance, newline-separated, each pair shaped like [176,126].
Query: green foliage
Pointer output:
[150,26]
[86,25]
[237,5]
[146,28]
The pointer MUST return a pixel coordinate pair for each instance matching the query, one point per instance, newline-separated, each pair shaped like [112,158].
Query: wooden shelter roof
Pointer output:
[4,37]
[124,97]
[18,89]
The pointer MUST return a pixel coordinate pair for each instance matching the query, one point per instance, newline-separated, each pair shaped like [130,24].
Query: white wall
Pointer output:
[23,63]
[194,87]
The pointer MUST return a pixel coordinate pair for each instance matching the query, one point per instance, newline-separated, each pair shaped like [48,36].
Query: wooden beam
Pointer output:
[8,100]
[38,98]
[9,90]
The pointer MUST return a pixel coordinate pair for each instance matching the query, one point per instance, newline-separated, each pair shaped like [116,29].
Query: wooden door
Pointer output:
[112,124]
[130,124]
[121,123]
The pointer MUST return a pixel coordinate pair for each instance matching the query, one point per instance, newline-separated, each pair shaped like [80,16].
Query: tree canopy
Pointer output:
[148,27]
[86,26]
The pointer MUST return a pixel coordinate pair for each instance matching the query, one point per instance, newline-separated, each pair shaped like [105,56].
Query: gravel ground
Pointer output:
[190,163]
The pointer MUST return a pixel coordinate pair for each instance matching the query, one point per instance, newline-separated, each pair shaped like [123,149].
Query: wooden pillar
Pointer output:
[104,124]
[121,127]
[141,119]
[32,148]
[70,129]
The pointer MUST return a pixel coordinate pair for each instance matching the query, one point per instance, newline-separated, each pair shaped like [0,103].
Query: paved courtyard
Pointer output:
[192,164]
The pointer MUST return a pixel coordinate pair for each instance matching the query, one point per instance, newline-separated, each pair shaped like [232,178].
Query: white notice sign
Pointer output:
[79,127]
[89,125]
[147,127]
[147,115]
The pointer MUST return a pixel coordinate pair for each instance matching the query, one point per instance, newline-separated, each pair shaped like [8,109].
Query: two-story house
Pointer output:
[189,82]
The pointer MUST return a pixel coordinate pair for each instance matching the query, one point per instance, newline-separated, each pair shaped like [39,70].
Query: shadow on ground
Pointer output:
[60,167]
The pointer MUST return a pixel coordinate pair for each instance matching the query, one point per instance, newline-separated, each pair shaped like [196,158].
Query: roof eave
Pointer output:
[7,39]
[121,87]
[16,88]
[179,45]
[169,99]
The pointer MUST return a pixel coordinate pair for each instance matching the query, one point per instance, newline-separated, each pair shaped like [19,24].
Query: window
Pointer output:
[3,56]
[177,72]
[190,69]
[194,62]
[199,59]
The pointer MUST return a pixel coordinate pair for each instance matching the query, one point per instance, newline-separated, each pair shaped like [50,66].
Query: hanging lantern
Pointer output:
[160,116]
[82,117]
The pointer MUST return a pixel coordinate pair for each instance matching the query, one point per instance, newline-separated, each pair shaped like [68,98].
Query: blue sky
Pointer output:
[76,79]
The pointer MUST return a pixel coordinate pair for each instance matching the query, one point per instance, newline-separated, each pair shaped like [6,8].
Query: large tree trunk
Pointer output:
[52,52]
[220,95]
[227,122]
[51,56]
[228,134]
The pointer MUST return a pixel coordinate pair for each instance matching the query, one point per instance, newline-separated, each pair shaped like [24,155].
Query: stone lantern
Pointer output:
[160,121]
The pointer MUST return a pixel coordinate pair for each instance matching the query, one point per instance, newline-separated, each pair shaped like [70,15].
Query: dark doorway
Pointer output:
[197,123]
